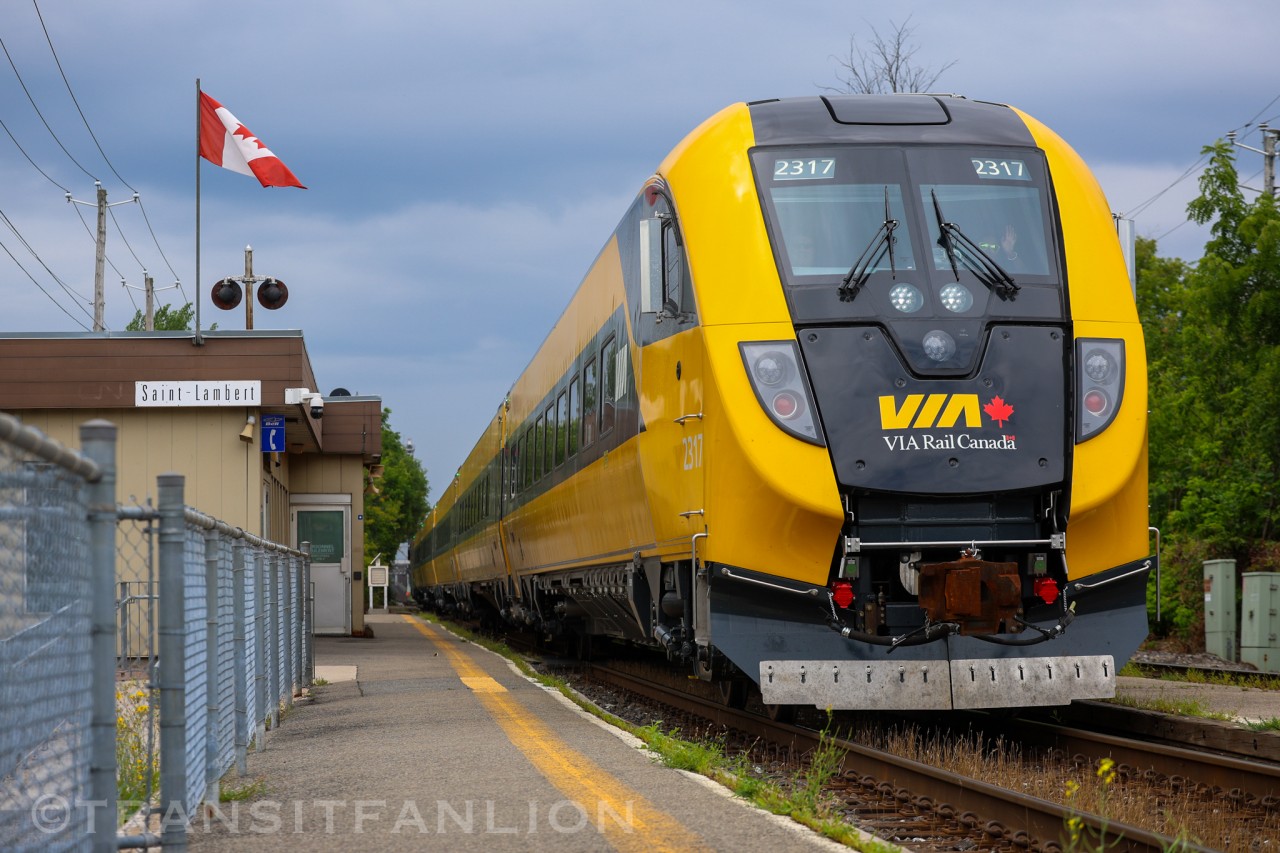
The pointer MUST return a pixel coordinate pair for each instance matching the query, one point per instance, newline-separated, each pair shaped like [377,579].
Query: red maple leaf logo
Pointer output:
[999,410]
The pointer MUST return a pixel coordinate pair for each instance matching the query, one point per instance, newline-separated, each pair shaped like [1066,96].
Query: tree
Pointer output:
[166,319]
[396,502]
[1213,339]
[886,66]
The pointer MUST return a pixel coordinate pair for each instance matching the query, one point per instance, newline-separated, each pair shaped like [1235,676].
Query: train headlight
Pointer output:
[771,368]
[907,298]
[1099,384]
[781,387]
[1099,366]
[938,345]
[956,298]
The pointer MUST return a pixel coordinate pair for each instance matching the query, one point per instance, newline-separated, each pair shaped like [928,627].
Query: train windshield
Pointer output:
[827,209]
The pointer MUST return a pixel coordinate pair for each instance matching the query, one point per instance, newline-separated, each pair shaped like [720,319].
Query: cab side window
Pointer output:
[590,403]
[608,410]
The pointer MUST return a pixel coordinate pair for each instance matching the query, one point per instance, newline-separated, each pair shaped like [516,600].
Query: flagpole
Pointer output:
[199,339]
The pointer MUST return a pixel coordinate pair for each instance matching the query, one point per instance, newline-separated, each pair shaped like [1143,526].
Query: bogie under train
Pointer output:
[851,404]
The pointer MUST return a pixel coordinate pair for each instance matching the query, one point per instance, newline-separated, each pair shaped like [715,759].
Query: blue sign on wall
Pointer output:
[273,433]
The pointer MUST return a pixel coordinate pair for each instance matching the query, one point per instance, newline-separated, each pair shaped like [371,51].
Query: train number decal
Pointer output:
[692,451]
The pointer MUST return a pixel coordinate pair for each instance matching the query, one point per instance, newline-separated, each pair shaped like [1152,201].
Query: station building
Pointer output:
[239,414]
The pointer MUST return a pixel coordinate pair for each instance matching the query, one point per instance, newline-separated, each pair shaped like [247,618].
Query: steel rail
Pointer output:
[1225,772]
[1001,810]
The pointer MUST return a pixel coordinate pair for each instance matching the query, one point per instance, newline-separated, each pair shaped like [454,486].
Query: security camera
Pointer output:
[317,406]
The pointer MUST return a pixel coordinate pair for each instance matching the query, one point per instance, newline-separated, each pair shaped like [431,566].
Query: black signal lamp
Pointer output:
[272,294]
[227,294]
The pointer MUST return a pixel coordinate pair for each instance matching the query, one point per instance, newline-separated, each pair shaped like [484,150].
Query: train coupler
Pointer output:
[981,596]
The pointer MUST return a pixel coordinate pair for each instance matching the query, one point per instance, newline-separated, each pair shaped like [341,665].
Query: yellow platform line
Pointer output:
[626,818]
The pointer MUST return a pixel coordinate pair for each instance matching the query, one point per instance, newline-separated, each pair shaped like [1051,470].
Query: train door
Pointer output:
[673,371]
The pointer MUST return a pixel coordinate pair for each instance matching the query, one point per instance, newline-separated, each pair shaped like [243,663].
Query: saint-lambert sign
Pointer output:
[199,392]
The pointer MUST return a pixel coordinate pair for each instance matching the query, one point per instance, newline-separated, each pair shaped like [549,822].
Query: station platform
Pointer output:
[1238,704]
[422,740]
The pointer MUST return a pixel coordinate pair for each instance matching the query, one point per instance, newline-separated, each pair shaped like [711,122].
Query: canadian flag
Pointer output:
[225,142]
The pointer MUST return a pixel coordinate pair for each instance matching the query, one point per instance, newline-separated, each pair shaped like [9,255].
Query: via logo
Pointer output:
[942,411]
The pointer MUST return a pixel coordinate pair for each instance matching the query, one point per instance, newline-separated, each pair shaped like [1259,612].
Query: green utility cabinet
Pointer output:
[1220,608]
[1260,621]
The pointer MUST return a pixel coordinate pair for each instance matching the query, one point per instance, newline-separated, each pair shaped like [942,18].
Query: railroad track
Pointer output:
[1264,680]
[991,814]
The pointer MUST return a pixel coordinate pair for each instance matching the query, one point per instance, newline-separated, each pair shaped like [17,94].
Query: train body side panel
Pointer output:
[772,503]
[673,447]
[771,499]
[479,555]
[597,511]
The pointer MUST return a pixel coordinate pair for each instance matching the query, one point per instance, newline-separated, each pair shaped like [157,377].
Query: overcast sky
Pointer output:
[466,161]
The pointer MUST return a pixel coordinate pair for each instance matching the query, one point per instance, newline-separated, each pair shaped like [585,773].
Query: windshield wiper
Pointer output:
[881,242]
[969,253]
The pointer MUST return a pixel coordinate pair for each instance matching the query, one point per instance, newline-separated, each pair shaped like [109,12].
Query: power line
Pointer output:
[65,287]
[1138,209]
[67,82]
[177,278]
[29,160]
[1260,112]
[42,290]
[23,83]
[1133,214]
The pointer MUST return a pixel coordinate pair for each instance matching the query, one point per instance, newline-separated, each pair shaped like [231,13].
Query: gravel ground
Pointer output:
[1188,659]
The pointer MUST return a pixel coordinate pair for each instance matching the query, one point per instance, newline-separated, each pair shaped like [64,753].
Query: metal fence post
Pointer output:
[290,618]
[212,706]
[241,659]
[309,600]
[172,670]
[274,682]
[260,647]
[300,627]
[98,441]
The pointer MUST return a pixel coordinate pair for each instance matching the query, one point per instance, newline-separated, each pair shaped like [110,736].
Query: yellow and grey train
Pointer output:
[851,405]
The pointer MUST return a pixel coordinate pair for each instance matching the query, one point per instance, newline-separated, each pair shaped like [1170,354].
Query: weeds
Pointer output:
[1080,837]
[1271,725]
[137,759]
[824,763]
[240,793]
[1179,707]
[700,758]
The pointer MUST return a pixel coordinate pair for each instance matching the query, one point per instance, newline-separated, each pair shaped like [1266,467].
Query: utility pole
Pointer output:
[248,287]
[1269,159]
[150,284]
[1268,152]
[100,250]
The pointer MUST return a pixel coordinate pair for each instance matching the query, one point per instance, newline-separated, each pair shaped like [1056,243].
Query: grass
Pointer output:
[240,793]
[1178,707]
[1271,725]
[1200,676]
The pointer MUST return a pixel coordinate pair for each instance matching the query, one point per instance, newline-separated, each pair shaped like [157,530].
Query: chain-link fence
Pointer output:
[151,644]
[46,621]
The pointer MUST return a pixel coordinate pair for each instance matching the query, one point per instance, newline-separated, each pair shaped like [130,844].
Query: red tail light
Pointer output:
[1046,589]
[842,594]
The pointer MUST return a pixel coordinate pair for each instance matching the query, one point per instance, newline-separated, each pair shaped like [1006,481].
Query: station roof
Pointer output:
[104,370]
